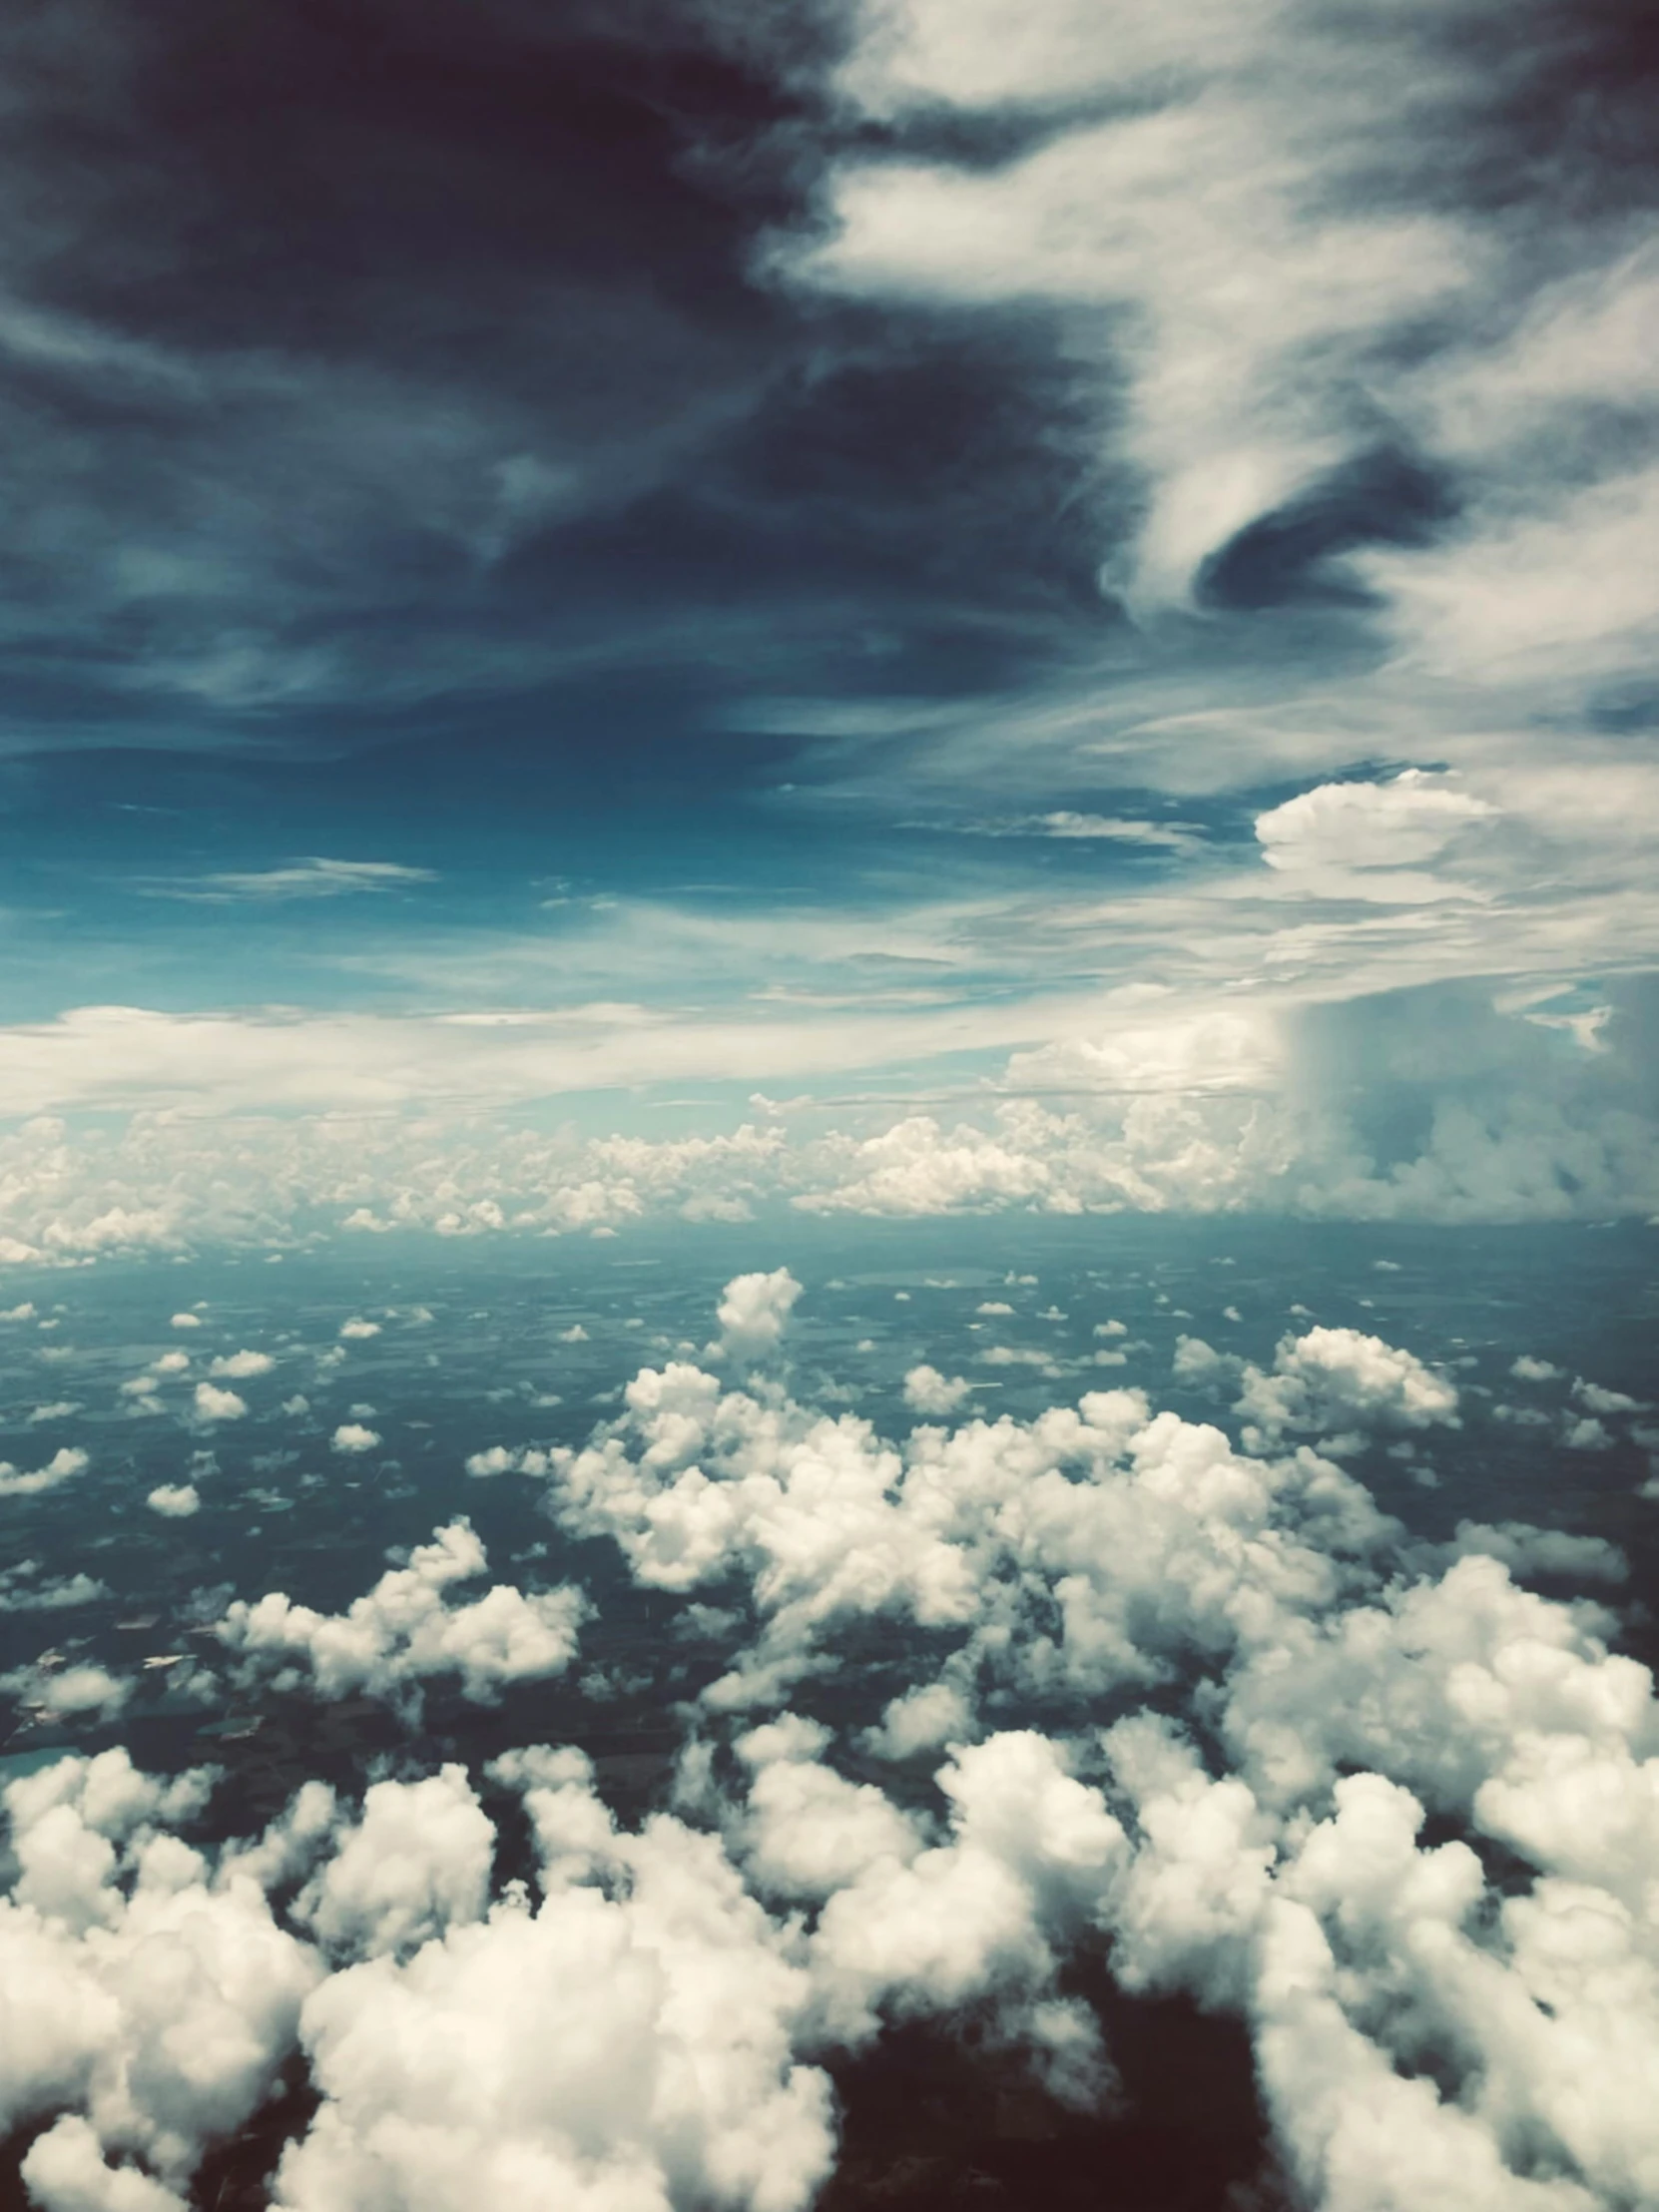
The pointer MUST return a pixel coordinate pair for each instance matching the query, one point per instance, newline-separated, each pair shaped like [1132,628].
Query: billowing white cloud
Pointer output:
[416,1864]
[175,1500]
[237,1365]
[407,1628]
[501,1460]
[152,2001]
[65,1463]
[1372,840]
[625,2043]
[754,1312]
[643,2029]
[213,1404]
[1340,1378]
[923,1720]
[926,1391]
[829,1521]
[1531,1369]
[20,1592]
[56,1691]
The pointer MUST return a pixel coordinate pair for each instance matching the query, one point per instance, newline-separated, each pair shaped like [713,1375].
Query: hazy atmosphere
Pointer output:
[829,1107]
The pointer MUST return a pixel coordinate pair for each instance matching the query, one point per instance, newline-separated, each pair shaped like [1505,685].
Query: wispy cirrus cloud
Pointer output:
[316,877]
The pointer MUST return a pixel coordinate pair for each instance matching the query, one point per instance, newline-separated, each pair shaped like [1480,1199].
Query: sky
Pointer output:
[828,1106]
[961,606]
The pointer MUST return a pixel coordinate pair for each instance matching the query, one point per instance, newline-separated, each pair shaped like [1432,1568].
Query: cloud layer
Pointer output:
[1178,1692]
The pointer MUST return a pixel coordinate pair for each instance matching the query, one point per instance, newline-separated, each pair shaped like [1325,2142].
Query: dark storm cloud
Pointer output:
[354,357]
[367,367]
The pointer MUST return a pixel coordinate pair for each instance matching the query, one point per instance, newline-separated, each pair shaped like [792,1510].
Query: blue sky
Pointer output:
[1063,594]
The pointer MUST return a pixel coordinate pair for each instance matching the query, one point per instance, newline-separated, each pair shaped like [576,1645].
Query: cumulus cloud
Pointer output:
[213,1404]
[351,1440]
[1203,1110]
[1370,841]
[175,1500]
[1297,1690]
[626,2041]
[58,1692]
[926,1391]
[754,1312]
[1350,1698]
[1597,1399]
[1532,1551]
[65,1463]
[415,1864]
[500,1459]
[406,1628]
[147,2005]
[236,1365]
[1337,1378]
[921,1721]
[830,1522]
[20,1594]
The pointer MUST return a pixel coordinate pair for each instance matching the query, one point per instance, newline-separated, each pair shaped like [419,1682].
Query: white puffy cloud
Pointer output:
[173,1500]
[1532,1551]
[1338,1378]
[627,2042]
[65,1463]
[1300,1897]
[642,2033]
[236,1365]
[754,1312]
[1597,1399]
[416,1864]
[68,1692]
[406,1628]
[1032,1853]
[351,1440]
[926,1391]
[1370,841]
[916,1167]
[145,2003]
[213,1404]
[357,1330]
[1143,1526]
[65,2170]
[19,1593]
[923,1720]
[1586,1434]
[501,1460]
[807,1831]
